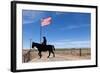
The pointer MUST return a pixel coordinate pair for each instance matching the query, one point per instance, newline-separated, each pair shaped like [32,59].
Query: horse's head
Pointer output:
[33,44]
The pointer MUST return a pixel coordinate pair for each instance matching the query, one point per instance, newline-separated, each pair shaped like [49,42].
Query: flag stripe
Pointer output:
[46,21]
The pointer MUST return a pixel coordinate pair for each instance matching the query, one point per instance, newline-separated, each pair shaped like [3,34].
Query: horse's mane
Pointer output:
[35,43]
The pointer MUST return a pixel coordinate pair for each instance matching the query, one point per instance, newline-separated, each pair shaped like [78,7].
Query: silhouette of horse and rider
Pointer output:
[44,47]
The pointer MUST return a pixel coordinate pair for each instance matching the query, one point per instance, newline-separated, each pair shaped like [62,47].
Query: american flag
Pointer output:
[46,21]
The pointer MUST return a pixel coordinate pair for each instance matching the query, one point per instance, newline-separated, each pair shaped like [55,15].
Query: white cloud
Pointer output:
[80,42]
[74,27]
[27,21]
[59,13]
[30,16]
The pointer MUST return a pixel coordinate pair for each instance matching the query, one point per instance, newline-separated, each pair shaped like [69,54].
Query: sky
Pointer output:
[66,30]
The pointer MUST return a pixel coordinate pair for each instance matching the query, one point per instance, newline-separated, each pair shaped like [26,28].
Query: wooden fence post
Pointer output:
[80,52]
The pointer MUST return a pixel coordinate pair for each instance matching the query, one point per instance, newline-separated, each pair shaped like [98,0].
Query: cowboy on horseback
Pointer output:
[44,41]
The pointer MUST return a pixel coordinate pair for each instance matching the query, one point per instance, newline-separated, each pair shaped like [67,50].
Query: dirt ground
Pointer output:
[60,55]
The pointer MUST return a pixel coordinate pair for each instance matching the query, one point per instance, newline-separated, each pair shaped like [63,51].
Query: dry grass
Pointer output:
[61,55]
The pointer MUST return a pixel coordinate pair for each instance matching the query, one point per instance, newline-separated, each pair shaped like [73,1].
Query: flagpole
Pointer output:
[40,33]
[30,43]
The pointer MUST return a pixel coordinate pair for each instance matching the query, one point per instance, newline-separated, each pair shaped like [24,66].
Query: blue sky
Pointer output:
[67,30]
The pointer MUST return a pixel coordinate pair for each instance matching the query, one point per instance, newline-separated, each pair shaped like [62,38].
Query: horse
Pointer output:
[43,48]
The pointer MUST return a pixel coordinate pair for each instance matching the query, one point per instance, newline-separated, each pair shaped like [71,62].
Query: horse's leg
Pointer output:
[53,53]
[39,54]
[49,54]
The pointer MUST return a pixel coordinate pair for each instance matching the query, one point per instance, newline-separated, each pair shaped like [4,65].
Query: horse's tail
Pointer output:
[53,48]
